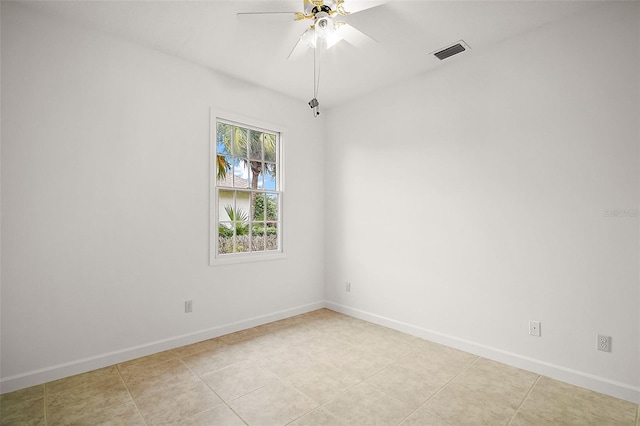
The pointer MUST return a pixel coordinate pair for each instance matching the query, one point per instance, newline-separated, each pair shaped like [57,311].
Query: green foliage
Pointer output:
[251,147]
[225,231]
[259,204]
[258,230]
[239,218]
[222,167]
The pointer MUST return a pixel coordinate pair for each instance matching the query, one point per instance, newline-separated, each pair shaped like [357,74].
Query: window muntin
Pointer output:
[247,191]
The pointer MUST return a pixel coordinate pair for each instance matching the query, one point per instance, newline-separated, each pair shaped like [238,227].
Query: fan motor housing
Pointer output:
[323,8]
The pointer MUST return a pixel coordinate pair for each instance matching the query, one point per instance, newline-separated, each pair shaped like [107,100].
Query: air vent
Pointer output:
[447,52]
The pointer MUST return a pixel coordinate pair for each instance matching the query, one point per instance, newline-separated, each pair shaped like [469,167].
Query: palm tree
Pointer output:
[253,149]
[239,219]
[246,146]
[223,167]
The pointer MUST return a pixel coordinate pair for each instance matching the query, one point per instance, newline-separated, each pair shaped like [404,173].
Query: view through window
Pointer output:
[247,190]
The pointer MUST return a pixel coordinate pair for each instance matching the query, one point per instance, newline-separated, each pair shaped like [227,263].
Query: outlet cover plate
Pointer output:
[604,343]
[534,328]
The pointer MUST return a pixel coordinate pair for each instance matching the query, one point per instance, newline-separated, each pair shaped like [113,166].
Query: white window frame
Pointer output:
[216,259]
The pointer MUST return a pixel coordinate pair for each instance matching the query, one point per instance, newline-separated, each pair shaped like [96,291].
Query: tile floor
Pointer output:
[320,368]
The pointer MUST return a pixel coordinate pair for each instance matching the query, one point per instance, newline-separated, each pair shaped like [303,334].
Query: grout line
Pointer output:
[524,400]
[130,395]
[45,399]
[212,390]
[440,390]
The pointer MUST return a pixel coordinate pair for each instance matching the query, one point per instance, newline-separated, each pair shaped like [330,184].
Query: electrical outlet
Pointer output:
[604,343]
[534,328]
[347,287]
[188,306]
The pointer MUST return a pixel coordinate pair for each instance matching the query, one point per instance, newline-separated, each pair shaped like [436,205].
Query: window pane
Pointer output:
[272,236]
[257,172]
[270,176]
[255,146]
[240,142]
[225,203]
[272,207]
[270,148]
[243,244]
[258,235]
[225,238]
[240,173]
[224,170]
[224,137]
[259,205]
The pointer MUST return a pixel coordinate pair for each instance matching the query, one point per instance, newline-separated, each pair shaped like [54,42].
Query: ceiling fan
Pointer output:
[325,32]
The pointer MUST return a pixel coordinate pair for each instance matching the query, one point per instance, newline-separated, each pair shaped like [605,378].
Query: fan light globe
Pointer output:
[324,25]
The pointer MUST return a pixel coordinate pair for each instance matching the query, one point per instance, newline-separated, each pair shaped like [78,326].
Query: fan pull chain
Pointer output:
[316,67]
[313,103]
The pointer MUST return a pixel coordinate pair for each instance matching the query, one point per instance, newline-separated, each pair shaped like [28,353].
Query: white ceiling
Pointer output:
[209,33]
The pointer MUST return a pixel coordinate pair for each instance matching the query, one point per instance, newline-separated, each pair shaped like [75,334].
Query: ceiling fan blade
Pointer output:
[267,16]
[360,5]
[305,42]
[354,36]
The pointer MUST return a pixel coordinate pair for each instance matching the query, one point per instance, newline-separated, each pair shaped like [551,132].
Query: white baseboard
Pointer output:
[578,378]
[574,377]
[36,377]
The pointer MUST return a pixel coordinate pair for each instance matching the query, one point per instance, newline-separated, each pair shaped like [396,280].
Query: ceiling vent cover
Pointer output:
[454,49]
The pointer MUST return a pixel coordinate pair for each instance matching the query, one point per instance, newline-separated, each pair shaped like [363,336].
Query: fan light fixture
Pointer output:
[323,34]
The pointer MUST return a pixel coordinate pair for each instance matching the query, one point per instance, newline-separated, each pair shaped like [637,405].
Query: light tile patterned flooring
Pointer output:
[320,368]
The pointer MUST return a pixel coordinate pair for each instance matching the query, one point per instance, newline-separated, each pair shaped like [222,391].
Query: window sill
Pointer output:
[248,258]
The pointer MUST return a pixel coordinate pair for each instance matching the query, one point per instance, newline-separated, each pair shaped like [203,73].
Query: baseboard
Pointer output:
[574,377]
[578,378]
[32,378]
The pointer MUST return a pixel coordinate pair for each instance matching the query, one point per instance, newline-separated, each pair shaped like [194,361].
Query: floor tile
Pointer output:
[205,362]
[485,393]
[143,365]
[27,394]
[385,346]
[242,335]
[438,359]
[86,398]
[366,405]
[162,378]
[84,379]
[323,345]
[503,381]
[219,415]
[423,418]
[170,367]
[356,362]
[274,404]
[286,361]
[126,414]
[178,402]
[322,382]
[238,379]
[319,417]
[555,403]
[210,345]
[20,411]
[293,336]
[256,347]
[408,385]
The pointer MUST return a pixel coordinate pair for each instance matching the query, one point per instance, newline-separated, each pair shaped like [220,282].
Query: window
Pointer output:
[246,183]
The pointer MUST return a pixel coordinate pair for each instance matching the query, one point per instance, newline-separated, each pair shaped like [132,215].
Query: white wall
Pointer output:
[505,161]
[105,203]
